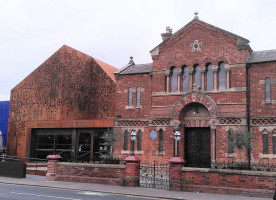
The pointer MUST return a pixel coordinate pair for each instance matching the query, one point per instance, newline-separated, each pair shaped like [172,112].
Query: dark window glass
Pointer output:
[197,77]
[125,140]
[231,141]
[174,80]
[274,144]
[138,96]
[222,77]
[210,78]
[160,140]
[265,142]
[129,97]
[139,141]
[185,83]
[267,89]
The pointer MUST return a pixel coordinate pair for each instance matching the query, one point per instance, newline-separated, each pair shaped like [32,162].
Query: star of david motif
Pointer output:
[196,46]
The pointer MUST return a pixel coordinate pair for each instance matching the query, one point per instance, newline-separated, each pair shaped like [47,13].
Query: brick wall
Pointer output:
[91,173]
[249,183]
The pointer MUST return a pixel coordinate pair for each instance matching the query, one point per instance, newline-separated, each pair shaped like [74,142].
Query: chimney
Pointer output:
[167,34]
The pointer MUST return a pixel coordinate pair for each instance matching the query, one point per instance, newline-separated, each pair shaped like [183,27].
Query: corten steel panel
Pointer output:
[69,86]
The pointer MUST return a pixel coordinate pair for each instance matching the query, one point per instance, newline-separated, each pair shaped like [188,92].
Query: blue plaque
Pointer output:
[153,135]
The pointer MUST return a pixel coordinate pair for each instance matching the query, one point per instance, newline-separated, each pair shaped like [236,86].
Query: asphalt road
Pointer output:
[23,192]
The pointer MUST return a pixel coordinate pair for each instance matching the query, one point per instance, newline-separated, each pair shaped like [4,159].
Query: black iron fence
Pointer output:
[154,176]
[243,165]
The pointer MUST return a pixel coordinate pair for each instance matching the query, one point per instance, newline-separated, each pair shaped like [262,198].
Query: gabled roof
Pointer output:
[196,20]
[262,56]
[132,68]
[107,68]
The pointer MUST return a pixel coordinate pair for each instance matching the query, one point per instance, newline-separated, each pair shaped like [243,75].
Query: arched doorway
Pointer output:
[195,119]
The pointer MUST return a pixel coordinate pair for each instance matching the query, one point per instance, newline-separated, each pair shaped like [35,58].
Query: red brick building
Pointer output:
[206,83]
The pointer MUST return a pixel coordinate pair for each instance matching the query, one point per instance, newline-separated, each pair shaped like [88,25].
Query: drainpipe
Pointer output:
[248,109]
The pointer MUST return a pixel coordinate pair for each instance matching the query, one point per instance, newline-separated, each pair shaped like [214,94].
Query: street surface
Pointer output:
[23,192]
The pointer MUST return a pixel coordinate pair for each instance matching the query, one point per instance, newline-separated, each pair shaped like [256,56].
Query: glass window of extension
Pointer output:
[138,96]
[125,140]
[197,77]
[160,146]
[265,142]
[185,79]
[267,90]
[222,76]
[174,80]
[139,140]
[129,97]
[210,79]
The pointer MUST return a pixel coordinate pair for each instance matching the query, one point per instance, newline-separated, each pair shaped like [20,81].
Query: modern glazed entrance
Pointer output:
[194,119]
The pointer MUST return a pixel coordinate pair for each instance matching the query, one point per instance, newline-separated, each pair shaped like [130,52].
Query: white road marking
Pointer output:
[92,193]
[39,195]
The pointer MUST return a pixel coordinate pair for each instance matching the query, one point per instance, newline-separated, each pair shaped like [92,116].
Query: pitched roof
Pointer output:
[262,56]
[107,68]
[206,24]
[136,69]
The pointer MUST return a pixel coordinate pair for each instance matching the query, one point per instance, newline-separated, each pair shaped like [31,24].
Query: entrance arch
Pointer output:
[194,118]
[194,114]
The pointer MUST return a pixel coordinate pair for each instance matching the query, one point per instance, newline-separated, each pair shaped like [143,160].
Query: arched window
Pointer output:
[139,140]
[197,77]
[125,140]
[185,79]
[267,90]
[160,146]
[274,141]
[210,79]
[174,80]
[138,96]
[265,141]
[222,76]
[129,97]
[231,137]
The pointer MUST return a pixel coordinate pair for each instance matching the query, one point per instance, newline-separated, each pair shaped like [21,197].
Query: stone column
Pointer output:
[213,136]
[175,173]
[215,70]
[52,167]
[167,81]
[191,71]
[132,171]
[227,69]
[202,70]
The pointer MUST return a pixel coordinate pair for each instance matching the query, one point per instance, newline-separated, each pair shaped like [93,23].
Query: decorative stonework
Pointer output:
[195,97]
[160,122]
[264,121]
[230,120]
[196,46]
[132,123]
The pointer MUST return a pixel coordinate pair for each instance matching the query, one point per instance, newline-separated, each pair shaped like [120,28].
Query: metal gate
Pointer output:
[154,176]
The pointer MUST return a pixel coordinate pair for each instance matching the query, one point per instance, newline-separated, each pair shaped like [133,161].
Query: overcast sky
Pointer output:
[113,30]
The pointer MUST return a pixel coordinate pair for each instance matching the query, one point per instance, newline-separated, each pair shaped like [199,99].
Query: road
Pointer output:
[23,192]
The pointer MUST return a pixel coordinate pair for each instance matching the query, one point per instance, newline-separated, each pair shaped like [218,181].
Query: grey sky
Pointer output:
[113,30]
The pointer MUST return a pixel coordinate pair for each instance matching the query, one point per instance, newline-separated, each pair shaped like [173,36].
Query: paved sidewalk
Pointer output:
[40,181]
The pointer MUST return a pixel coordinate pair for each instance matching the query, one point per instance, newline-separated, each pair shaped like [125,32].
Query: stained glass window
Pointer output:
[222,77]
[267,90]
[197,77]
[185,83]
[129,97]
[138,96]
[210,78]
[174,80]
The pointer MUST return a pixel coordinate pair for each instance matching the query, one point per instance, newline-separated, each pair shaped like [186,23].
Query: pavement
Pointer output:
[40,181]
